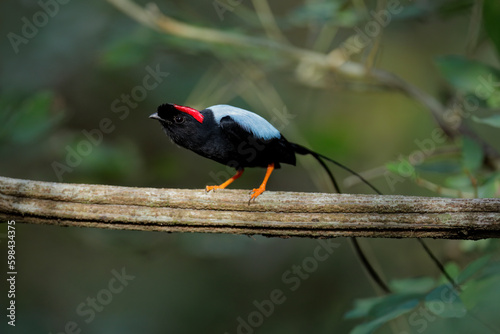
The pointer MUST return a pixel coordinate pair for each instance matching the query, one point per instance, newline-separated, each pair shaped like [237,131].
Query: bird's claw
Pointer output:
[255,193]
[214,188]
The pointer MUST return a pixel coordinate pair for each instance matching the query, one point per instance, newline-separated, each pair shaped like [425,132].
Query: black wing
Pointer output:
[258,152]
[235,131]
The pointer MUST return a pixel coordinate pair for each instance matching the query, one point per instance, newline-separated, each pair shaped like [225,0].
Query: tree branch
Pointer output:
[282,214]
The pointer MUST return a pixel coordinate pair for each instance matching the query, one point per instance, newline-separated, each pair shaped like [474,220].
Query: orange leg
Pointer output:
[257,191]
[225,184]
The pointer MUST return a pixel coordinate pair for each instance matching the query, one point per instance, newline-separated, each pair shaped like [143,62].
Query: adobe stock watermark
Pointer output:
[250,147]
[486,88]
[406,169]
[30,27]
[292,279]
[421,318]
[121,107]
[88,309]
[371,30]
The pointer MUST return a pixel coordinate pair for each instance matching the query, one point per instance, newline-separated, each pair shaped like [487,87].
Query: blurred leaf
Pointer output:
[413,285]
[469,246]
[443,166]
[491,187]
[324,12]
[481,286]
[379,306]
[493,100]
[124,53]
[452,269]
[491,13]
[476,290]
[492,269]
[398,310]
[105,162]
[445,302]
[135,48]
[423,9]
[362,307]
[493,120]
[473,77]
[472,154]
[449,8]
[403,168]
[25,121]
[473,268]
[131,49]
[449,304]
[461,181]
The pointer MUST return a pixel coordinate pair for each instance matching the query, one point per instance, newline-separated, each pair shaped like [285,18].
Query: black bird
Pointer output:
[240,138]
[235,137]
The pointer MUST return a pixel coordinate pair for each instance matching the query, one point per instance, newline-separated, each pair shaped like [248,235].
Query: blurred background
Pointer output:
[78,81]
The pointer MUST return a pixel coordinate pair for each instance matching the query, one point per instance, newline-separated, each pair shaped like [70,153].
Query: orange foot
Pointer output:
[256,192]
[225,184]
[209,188]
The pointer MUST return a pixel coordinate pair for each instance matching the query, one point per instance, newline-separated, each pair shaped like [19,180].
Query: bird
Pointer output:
[237,138]
[240,138]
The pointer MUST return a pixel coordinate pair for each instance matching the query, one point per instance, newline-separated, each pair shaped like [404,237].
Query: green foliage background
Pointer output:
[65,79]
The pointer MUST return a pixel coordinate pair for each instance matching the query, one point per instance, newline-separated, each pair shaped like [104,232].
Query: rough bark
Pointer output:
[282,214]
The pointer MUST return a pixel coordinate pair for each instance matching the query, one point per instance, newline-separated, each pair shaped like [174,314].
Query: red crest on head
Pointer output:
[190,111]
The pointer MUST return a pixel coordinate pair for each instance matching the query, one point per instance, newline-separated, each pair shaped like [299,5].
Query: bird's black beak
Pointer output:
[155,116]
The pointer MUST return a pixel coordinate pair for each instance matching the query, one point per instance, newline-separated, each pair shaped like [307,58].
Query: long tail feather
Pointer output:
[304,151]
[359,252]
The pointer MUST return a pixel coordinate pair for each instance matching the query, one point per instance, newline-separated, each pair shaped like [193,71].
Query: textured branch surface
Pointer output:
[281,214]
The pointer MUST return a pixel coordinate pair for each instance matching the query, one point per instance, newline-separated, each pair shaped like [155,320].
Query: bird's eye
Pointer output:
[178,119]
